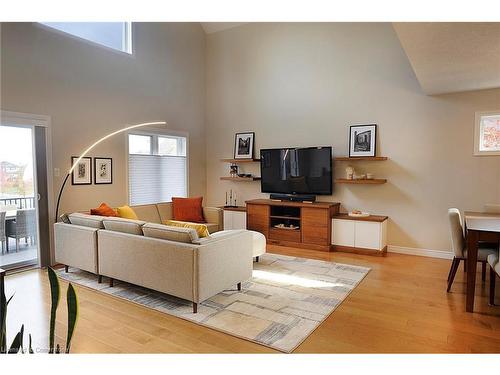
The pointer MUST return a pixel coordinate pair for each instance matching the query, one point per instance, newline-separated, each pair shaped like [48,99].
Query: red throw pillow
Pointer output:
[103,210]
[188,209]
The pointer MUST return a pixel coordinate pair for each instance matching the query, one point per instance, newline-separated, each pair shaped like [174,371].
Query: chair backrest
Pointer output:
[456,232]
[492,208]
[2,226]
[25,222]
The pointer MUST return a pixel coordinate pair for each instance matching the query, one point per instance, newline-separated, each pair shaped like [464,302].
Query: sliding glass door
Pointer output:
[19,232]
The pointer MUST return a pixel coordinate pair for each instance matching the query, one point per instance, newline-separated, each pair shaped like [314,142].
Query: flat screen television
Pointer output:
[297,170]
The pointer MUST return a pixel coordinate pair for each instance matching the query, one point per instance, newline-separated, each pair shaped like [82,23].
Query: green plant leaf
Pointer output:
[72,301]
[30,348]
[55,292]
[17,343]
[3,322]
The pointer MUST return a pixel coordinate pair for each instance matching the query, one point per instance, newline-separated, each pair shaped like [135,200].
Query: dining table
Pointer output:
[479,226]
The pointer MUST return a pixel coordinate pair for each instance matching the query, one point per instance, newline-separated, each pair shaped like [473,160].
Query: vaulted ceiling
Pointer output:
[452,56]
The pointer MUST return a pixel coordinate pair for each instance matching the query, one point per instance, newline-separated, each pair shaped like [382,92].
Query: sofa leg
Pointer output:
[99,279]
[66,268]
[493,277]
[239,286]
[111,282]
[195,307]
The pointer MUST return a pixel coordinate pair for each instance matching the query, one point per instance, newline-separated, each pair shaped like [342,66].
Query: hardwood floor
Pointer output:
[400,307]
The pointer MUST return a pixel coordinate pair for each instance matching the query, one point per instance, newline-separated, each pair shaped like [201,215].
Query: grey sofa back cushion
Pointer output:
[86,220]
[119,224]
[147,212]
[165,232]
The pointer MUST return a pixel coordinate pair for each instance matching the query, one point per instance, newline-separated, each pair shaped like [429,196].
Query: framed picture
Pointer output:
[487,133]
[362,140]
[82,174]
[103,171]
[243,145]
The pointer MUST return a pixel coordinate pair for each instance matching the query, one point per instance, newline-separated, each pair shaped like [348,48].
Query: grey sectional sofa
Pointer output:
[171,260]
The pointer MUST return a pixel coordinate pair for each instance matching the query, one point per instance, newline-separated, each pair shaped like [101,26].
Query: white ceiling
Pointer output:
[452,57]
[213,27]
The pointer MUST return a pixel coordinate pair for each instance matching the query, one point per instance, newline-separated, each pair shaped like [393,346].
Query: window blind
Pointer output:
[154,178]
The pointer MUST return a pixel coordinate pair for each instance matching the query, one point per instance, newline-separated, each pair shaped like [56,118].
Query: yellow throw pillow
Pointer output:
[126,212]
[201,229]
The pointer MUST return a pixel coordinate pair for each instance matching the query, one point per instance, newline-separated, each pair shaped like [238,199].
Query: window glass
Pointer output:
[139,144]
[116,35]
[172,146]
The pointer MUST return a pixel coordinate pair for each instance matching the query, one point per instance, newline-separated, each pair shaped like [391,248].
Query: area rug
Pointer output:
[279,307]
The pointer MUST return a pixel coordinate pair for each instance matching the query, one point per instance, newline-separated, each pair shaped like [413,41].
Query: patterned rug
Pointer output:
[282,304]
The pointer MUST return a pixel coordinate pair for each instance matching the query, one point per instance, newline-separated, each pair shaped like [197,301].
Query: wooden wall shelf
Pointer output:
[374,181]
[240,179]
[236,161]
[361,158]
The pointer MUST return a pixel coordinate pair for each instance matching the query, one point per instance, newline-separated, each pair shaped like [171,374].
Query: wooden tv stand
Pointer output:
[312,219]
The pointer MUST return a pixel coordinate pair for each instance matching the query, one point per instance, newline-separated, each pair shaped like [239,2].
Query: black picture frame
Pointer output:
[88,161]
[238,147]
[97,180]
[371,145]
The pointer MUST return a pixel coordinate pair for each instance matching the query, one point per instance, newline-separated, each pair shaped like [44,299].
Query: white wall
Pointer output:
[304,84]
[90,90]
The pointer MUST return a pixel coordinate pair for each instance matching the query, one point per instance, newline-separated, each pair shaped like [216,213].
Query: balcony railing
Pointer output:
[20,203]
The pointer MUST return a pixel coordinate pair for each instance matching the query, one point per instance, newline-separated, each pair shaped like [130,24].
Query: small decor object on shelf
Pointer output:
[233,170]
[243,145]
[349,171]
[369,176]
[362,140]
[103,171]
[230,199]
[289,227]
[358,213]
[82,173]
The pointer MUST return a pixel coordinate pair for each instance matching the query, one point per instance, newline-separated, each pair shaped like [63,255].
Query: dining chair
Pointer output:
[3,237]
[494,272]
[492,208]
[24,226]
[459,247]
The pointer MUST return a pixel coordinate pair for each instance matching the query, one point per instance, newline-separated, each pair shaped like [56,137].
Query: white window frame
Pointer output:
[127,42]
[159,133]
[477,133]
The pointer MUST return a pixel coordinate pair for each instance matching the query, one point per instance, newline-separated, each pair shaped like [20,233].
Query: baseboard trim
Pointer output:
[420,252]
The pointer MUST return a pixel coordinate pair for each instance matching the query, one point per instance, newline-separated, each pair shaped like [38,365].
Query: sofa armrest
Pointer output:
[223,263]
[214,215]
[76,246]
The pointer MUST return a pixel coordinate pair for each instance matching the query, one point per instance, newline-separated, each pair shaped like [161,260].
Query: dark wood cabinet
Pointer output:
[311,222]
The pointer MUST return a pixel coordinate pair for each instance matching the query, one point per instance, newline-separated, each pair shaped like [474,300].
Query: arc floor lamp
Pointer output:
[91,147]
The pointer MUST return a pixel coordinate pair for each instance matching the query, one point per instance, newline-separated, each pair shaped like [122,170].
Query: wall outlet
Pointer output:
[57,172]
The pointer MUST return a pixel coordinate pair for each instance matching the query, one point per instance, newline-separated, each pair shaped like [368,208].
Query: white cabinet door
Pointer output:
[228,220]
[367,235]
[343,232]
[239,220]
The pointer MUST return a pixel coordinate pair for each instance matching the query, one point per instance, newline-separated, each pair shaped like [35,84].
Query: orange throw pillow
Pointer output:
[103,210]
[188,209]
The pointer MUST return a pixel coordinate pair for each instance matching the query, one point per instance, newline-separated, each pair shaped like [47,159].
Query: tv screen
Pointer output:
[297,170]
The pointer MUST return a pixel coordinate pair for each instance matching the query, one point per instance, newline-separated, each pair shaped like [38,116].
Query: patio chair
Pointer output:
[3,237]
[23,227]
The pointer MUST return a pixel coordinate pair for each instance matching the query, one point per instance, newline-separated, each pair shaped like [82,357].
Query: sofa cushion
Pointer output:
[201,229]
[188,209]
[212,228]
[119,224]
[86,220]
[165,211]
[165,232]
[103,210]
[127,212]
[147,212]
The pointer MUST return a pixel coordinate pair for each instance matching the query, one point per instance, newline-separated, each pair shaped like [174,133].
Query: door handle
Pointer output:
[38,197]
